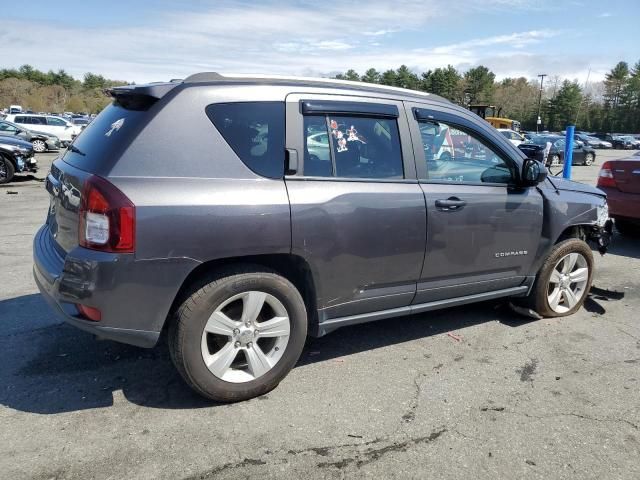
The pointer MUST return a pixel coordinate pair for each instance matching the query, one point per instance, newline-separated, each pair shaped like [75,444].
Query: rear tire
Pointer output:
[39,146]
[221,343]
[563,281]
[7,171]
[588,159]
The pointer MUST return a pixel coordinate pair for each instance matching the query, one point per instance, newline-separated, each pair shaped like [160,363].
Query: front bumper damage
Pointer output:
[600,236]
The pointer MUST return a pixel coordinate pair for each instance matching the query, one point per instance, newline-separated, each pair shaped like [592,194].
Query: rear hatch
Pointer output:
[94,152]
[626,174]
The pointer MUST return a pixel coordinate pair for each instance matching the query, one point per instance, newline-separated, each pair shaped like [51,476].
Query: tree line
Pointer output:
[612,105]
[53,91]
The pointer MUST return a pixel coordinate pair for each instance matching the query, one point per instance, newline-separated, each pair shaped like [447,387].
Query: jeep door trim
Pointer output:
[332,324]
[341,107]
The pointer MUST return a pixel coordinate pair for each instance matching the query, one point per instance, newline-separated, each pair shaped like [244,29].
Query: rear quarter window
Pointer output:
[102,141]
[255,132]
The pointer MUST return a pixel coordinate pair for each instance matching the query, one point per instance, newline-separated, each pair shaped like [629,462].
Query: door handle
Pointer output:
[451,204]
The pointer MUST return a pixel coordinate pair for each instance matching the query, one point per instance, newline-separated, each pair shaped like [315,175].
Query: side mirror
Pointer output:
[533,172]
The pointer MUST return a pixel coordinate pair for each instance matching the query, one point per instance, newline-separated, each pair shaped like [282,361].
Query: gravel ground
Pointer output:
[503,397]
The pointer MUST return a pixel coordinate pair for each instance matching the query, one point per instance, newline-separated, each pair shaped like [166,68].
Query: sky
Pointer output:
[155,40]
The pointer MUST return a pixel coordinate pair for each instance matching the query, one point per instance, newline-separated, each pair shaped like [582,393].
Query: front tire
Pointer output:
[6,170]
[239,335]
[564,280]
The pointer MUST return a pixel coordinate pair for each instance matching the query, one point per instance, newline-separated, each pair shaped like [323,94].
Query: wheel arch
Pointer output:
[292,267]
[8,157]
[578,231]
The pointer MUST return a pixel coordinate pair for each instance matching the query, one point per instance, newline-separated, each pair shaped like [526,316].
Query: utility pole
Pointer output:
[539,121]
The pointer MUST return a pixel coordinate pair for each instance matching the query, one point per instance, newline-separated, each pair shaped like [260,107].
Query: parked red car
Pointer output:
[620,180]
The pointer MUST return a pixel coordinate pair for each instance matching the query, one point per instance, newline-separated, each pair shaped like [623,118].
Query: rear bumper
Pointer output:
[134,297]
[622,204]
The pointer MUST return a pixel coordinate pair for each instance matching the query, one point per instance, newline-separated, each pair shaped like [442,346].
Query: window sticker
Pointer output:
[353,136]
[339,135]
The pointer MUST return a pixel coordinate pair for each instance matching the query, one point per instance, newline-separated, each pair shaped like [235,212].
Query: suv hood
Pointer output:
[569,185]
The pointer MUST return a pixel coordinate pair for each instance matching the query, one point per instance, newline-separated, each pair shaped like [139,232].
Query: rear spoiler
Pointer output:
[140,97]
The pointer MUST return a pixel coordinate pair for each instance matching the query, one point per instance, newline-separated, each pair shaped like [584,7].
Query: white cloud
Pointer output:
[514,40]
[310,39]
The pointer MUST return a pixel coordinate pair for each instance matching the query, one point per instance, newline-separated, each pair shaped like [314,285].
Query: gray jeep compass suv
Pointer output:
[242,214]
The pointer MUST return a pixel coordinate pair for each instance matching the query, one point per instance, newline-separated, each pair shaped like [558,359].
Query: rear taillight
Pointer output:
[605,177]
[107,218]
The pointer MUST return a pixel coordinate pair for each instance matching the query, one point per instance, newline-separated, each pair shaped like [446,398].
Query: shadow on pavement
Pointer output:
[625,246]
[50,367]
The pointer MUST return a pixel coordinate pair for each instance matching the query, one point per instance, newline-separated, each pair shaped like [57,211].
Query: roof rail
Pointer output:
[205,77]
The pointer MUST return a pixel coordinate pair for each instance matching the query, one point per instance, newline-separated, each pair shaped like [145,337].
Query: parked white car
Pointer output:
[58,126]
[511,135]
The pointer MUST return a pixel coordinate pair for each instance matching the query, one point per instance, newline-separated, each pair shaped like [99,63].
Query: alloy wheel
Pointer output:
[39,146]
[245,336]
[568,282]
[3,169]
[588,159]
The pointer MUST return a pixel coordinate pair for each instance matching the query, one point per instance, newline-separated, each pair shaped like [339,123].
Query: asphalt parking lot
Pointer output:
[501,397]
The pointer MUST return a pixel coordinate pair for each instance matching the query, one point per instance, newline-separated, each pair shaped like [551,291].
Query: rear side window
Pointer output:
[21,119]
[56,122]
[255,132]
[352,147]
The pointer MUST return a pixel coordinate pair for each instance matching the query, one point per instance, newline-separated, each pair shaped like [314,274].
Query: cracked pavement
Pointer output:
[504,397]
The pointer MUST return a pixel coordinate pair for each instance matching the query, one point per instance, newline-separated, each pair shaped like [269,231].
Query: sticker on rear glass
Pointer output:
[115,126]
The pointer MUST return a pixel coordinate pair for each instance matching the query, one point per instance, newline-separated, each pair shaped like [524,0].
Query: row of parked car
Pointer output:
[592,140]
[534,146]
[24,134]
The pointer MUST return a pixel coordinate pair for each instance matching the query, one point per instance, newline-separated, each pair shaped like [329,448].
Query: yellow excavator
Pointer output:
[488,112]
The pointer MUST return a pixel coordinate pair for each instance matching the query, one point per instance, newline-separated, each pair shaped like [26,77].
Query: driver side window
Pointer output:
[352,147]
[455,155]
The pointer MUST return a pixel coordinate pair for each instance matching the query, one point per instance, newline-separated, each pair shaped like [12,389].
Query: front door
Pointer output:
[482,230]
[357,211]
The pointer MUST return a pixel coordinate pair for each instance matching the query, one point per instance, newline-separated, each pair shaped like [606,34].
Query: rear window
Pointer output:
[101,142]
[56,122]
[255,132]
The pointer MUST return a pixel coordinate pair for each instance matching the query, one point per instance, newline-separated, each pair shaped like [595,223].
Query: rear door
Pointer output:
[59,128]
[482,232]
[357,211]
[578,154]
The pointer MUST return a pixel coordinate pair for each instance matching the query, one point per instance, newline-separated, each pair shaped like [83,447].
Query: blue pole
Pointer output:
[568,152]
